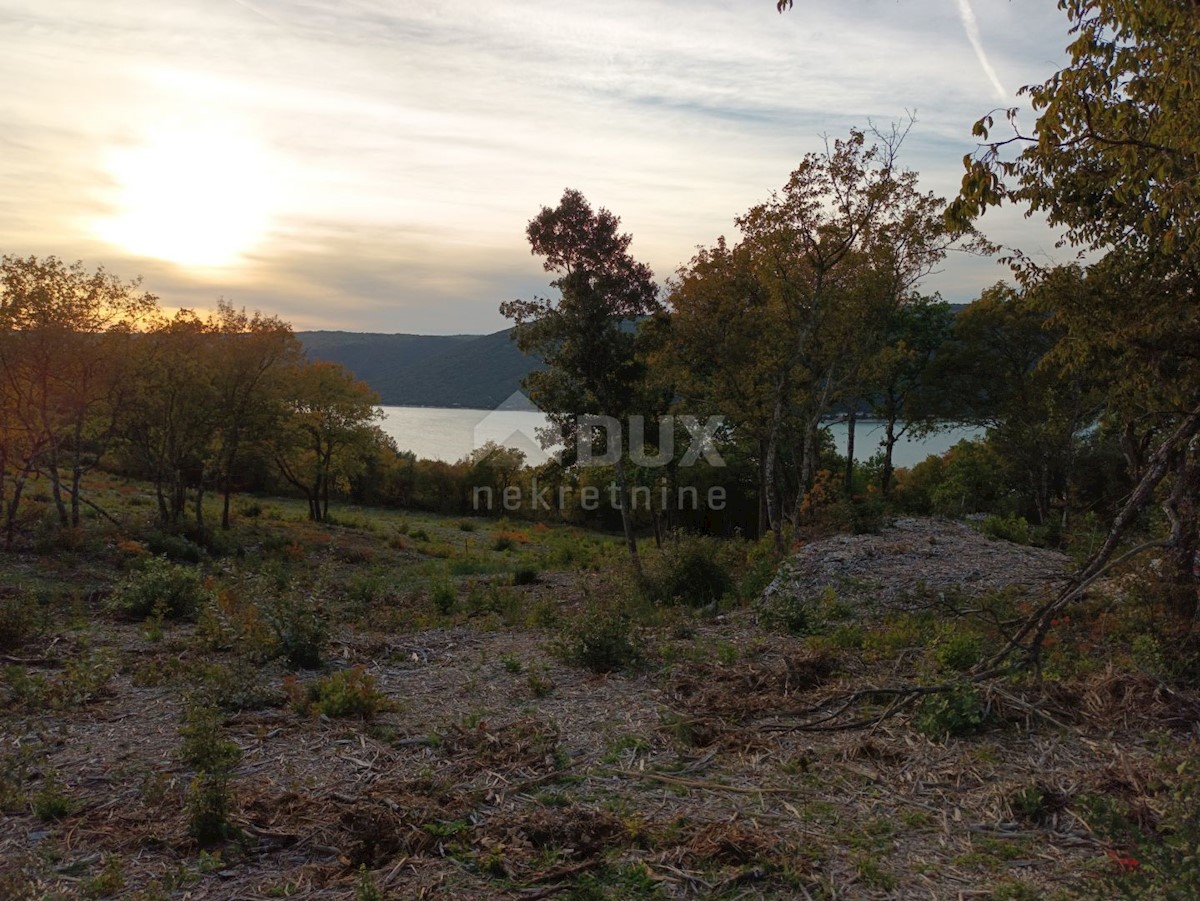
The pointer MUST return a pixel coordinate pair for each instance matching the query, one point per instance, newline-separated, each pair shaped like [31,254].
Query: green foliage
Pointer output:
[300,628]
[50,802]
[787,612]
[957,649]
[1160,859]
[175,547]
[601,639]
[176,590]
[690,570]
[955,712]
[365,887]
[444,595]
[1007,528]
[83,679]
[208,803]
[204,747]
[109,881]
[344,693]
[20,620]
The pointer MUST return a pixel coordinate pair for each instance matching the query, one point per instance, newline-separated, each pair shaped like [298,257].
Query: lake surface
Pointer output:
[439,433]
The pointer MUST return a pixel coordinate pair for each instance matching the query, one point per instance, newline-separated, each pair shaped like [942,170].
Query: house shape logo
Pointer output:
[515,423]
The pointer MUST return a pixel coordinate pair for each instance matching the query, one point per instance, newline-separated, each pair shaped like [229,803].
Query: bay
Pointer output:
[450,433]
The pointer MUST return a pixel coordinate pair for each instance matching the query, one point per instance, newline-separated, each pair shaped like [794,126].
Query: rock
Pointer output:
[914,556]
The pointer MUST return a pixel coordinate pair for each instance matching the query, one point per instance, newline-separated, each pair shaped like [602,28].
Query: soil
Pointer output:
[504,772]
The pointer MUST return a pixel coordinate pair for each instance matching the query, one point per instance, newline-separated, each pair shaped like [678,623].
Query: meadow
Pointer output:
[401,705]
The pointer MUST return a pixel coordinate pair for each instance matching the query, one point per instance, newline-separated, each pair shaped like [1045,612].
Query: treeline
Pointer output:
[93,372]
[94,375]
[816,312]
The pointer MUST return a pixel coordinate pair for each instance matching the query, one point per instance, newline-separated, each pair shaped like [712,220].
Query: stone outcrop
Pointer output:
[913,559]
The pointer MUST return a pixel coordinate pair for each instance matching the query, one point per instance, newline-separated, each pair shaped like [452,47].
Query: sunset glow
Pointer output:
[197,198]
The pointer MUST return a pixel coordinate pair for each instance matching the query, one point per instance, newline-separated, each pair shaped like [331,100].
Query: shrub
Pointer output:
[208,803]
[601,639]
[955,712]
[300,629]
[174,547]
[352,692]
[525,575]
[787,612]
[689,570]
[1007,528]
[19,620]
[443,594]
[204,747]
[957,650]
[51,802]
[177,591]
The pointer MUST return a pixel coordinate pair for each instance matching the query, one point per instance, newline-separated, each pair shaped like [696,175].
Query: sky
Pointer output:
[371,165]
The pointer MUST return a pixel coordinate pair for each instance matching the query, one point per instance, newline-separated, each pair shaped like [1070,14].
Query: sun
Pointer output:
[191,196]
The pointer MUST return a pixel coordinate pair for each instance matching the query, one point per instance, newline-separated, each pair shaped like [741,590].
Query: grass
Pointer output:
[466,692]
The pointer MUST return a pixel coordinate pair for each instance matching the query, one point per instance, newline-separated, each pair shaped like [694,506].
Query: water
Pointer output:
[439,433]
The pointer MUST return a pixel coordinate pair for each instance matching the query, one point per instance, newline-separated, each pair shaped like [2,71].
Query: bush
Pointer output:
[20,621]
[174,547]
[1007,528]
[352,692]
[690,571]
[178,592]
[443,594]
[300,629]
[956,650]
[204,747]
[208,803]
[955,712]
[788,613]
[525,575]
[601,640]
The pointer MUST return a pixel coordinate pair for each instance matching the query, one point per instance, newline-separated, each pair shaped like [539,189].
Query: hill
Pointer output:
[477,371]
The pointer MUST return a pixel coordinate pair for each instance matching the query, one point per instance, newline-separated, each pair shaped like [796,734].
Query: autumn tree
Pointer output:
[586,337]
[797,306]
[900,387]
[64,339]
[250,356]
[328,418]
[169,425]
[1112,161]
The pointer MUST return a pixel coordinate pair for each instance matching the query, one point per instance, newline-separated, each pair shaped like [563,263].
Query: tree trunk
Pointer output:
[889,445]
[762,489]
[1179,572]
[851,421]
[627,515]
[774,518]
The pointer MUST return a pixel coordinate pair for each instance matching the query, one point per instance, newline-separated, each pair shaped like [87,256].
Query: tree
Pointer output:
[328,420]
[64,337]
[1112,160]
[586,339]
[899,387]
[819,268]
[250,355]
[999,366]
[174,411]
[723,354]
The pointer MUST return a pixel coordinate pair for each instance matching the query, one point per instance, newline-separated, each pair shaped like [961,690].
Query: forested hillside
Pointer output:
[477,371]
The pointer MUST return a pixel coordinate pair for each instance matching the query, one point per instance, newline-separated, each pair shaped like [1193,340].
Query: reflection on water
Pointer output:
[439,433]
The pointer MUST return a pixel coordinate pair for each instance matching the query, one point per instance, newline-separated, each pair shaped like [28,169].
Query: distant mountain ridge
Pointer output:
[477,371]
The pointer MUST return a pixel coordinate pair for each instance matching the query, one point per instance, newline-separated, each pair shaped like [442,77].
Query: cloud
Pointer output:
[971,26]
[412,141]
